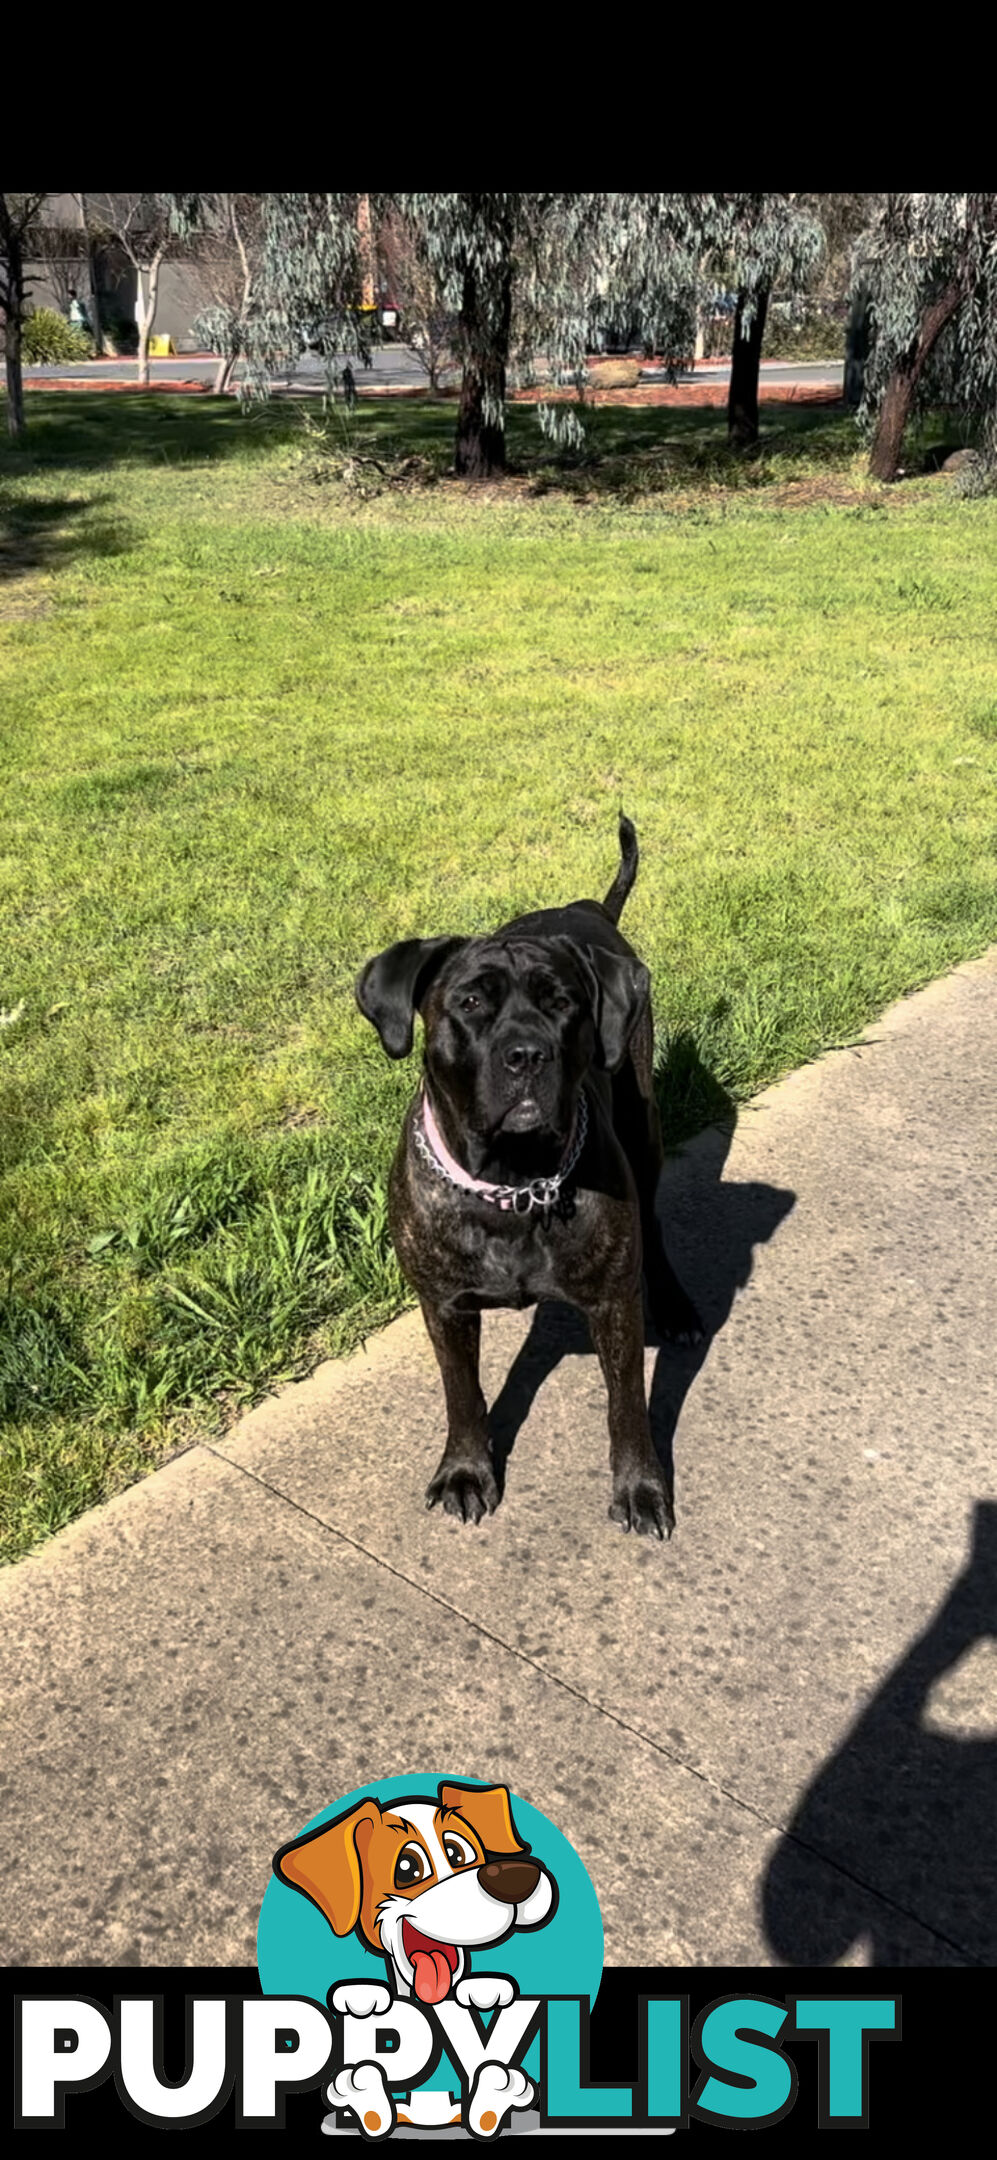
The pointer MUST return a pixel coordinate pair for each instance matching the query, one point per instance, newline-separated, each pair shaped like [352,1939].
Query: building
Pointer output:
[60,264]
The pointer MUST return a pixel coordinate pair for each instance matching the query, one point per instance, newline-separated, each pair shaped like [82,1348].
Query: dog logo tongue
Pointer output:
[432,1975]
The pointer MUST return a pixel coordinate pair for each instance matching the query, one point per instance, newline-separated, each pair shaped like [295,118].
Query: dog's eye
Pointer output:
[562,1004]
[457,1852]
[469,1004]
[410,1867]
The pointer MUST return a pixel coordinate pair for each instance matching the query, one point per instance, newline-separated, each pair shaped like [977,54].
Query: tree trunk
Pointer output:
[366,251]
[226,365]
[143,317]
[485,324]
[95,315]
[745,359]
[147,315]
[13,321]
[15,380]
[91,250]
[898,397]
[857,348]
[894,413]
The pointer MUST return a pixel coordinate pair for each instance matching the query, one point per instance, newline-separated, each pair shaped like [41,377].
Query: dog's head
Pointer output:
[423,1882]
[512,1023]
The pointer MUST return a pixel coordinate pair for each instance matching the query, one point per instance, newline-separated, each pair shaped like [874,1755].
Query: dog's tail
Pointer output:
[623,882]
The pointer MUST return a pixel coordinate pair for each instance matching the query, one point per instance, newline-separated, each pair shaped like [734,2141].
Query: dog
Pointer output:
[424,1883]
[528,1165]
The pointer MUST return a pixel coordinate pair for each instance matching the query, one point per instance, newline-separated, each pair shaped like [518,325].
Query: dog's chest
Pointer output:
[507,1264]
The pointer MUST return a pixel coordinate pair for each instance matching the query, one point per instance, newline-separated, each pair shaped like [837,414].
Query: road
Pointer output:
[393,367]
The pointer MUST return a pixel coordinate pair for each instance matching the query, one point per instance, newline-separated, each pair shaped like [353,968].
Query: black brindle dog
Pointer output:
[528,1165]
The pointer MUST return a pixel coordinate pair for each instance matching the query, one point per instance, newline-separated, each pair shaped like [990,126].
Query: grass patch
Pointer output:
[258,722]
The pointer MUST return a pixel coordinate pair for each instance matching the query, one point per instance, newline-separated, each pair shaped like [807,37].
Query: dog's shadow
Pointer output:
[711,1229]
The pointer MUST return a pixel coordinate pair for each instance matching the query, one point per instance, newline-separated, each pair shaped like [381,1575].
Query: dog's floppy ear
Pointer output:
[488,1812]
[325,1865]
[621,987]
[392,986]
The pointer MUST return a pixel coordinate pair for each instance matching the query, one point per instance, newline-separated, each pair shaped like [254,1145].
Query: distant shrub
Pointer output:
[48,336]
[808,334]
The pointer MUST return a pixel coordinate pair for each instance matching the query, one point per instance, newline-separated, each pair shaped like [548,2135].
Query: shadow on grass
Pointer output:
[622,444]
[89,429]
[627,450]
[904,1810]
[721,1223]
[40,532]
[633,452]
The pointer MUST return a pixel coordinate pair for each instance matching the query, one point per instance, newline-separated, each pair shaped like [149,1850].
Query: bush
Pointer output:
[813,334]
[48,336]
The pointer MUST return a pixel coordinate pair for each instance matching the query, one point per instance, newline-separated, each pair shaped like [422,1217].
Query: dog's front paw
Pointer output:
[361,2088]
[361,1999]
[465,1489]
[497,2089]
[485,1991]
[643,1503]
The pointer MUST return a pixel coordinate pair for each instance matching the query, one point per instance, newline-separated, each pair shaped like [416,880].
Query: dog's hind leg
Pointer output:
[636,1118]
[465,1481]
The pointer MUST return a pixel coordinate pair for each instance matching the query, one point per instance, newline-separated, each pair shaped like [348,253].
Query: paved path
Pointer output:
[774,1739]
[394,367]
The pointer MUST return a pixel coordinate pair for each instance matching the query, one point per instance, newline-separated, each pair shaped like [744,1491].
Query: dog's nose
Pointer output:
[509,1880]
[524,1057]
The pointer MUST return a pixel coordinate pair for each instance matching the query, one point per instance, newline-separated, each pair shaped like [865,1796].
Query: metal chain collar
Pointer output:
[543,1193]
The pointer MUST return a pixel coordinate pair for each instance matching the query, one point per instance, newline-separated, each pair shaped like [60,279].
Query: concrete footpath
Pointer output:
[773,1740]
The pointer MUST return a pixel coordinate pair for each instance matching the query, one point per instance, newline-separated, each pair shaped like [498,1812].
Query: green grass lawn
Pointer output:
[254,726]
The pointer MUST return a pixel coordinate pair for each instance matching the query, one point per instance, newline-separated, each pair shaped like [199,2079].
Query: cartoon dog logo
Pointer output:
[425,1883]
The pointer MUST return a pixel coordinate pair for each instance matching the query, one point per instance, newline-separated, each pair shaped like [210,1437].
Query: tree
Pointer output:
[554,264]
[429,327]
[765,239]
[534,271]
[672,258]
[469,245]
[314,262]
[93,279]
[306,276]
[17,215]
[929,264]
[546,268]
[842,218]
[145,227]
[230,262]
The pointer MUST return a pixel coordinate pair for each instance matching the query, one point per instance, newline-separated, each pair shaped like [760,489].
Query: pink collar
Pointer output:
[541,1193]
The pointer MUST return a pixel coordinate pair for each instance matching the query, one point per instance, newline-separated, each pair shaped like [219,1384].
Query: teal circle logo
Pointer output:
[422,1882]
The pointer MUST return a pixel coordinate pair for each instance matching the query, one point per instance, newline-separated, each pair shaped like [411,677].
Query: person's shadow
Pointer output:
[905,1809]
[711,1229]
